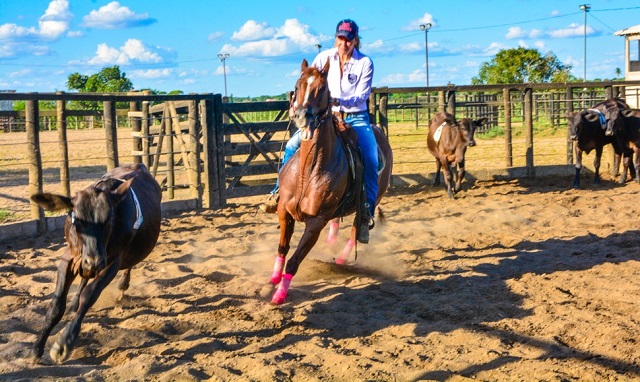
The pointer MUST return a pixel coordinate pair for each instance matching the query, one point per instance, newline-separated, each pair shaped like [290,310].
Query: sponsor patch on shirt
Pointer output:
[352,78]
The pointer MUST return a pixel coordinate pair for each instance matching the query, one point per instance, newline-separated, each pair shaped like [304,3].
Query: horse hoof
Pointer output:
[279,297]
[267,290]
[59,353]
[341,260]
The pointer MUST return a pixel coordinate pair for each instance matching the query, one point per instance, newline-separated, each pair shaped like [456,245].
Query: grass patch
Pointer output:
[4,216]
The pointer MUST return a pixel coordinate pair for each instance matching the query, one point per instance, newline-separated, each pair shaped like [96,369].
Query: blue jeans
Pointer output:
[368,148]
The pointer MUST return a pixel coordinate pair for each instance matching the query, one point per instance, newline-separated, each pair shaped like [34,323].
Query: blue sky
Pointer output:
[173,45]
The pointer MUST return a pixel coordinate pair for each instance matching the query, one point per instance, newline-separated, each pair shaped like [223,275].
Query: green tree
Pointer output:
[522,65]
[108,80]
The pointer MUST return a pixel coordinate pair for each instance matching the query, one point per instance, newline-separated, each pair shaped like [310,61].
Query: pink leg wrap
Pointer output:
[281,293]
[276,276]
[346,251]
[334,226]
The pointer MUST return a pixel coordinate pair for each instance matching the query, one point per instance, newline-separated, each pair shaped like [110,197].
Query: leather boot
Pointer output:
[363,228]
[271,205]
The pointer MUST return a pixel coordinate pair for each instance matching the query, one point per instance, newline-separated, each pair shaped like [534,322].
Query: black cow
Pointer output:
[627,135]
[609,112]
[587,132]
[112,225]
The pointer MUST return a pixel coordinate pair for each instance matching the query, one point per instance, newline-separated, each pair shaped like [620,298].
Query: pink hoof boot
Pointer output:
[281,293]
[276,276]
[346,251]
[333,232]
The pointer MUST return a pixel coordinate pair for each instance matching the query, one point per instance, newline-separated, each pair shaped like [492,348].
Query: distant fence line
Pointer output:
[231,150]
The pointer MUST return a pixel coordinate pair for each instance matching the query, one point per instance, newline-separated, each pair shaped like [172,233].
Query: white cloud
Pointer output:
[151,73]
[291,37]
[253,31]
[115,16]
[494,48]
[55,20]
[74,34]
[415,24]
[574,30]
[540,45]
[297,33]
[535,33]
[515,32]
[132,50]
[53,24]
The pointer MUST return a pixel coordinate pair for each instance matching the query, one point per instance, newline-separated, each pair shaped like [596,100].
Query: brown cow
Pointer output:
[447,141]
[112,225]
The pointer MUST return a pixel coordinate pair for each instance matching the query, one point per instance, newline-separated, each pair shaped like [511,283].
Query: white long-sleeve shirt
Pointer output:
[354,88]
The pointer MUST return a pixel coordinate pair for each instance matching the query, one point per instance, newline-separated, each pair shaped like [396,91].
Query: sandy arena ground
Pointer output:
[512,281]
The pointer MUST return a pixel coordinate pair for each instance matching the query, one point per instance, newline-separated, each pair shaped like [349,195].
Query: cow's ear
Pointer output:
[52,202]
[627,113]
[592,117]
[118,194]
[481,121]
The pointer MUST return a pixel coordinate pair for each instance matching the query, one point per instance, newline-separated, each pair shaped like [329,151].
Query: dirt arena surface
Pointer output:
[512,281]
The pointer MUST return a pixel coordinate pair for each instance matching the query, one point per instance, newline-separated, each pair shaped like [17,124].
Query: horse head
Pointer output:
[310,103]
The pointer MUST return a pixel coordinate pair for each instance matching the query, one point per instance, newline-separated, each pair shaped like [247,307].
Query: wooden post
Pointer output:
[161,133]
[384,113]
[136,127]
[32,116]
[608,92]
[506,93]
[175,121]
[111,135]
[528,125]
[441,104]
[417,112]
[372,109]
[194,153]
[569,103]
[63,147]
[215,172]
[146,139]
[166,129]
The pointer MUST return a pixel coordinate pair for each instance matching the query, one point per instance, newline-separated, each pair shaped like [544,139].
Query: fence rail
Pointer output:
[212,150]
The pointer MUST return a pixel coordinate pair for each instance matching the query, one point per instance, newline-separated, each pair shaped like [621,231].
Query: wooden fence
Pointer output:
[206,150]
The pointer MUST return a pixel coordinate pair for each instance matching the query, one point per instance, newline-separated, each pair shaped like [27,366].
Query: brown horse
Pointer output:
[112,225]
[315,182]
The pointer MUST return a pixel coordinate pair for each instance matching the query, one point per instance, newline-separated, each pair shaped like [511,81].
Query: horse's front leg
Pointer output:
[313,228]
[334,228]
[287,224]
[58,303]
[74,303]
[343,257]
[63,346]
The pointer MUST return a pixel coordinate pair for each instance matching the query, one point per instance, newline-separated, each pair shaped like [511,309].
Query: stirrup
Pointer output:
[271,205]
